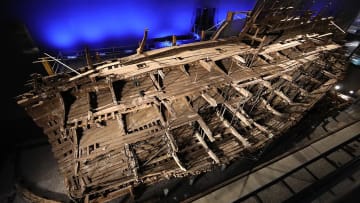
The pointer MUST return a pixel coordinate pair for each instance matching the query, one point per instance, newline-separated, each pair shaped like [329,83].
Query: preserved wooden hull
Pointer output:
[177,111]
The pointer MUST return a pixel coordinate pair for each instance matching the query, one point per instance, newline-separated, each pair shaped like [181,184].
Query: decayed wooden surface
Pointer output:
[180,110]
[133,126]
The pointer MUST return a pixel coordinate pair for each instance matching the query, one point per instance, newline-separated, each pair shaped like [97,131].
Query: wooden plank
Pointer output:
[206,129]
[182,68]
[207,149]
[233,131]
[239,59]
[239,115]
[206,65]
[209,99]
[134,165]
[121,124]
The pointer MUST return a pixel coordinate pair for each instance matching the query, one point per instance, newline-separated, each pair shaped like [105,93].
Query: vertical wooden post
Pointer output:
[142,43]
[88,58]
[47,67]
[255,35]
[174,40]
[111,87]
[229,16]
[97,56]
[202,35]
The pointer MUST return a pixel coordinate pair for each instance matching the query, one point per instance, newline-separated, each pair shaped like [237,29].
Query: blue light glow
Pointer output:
[128,51]
[163,44]
[355,61]
[196,36]
[71,57]
[69,24]
[325,7]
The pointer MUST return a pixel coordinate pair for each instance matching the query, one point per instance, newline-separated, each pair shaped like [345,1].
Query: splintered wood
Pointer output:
[177,111]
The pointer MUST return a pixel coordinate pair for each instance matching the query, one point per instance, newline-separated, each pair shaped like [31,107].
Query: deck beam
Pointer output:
[174,149]
[134,164]
[233,131]
[207,149]
[209,99]
[120,123]
[155,82]
[240,116]
[206,129]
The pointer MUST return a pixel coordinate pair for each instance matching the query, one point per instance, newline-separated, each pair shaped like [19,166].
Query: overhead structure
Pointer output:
[182,110]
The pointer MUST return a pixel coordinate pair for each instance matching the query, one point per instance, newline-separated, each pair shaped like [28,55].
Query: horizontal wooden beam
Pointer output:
[209,99]
[242,91]
[207,149]
[206,129]
[238,59]
[207,66]
[233,131]
[252,122]
[239,115]
[270,108]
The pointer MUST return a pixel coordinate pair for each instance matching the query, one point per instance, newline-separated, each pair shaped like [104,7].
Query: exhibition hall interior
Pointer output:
[180,101]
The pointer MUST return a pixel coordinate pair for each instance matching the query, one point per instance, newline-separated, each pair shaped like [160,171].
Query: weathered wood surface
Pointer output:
[177,111]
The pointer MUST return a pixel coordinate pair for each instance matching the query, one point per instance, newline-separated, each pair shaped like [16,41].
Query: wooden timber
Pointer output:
[180,110]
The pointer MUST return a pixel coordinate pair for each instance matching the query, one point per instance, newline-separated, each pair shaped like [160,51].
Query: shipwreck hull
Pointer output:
[117,128]
[181,110]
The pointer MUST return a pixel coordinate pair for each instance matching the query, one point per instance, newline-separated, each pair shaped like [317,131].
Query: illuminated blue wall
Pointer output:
[70,24]
[325,7]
